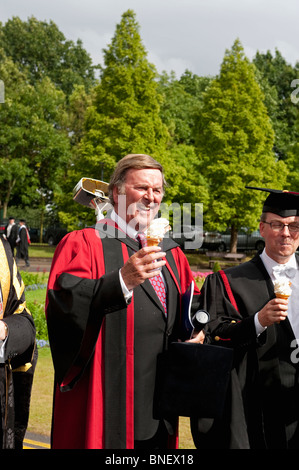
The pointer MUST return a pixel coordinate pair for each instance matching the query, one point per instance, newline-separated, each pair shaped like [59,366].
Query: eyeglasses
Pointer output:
[279,226]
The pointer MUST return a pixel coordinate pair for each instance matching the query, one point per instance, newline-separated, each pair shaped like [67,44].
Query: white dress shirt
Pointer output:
[293,313]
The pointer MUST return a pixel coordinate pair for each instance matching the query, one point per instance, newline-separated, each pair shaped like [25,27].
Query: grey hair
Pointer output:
[137,161]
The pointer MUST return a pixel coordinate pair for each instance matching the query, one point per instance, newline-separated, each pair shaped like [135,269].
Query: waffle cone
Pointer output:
[152,241]
[281,296]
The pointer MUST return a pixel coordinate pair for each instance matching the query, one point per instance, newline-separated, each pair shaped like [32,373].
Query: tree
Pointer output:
[125,116]
[279,75]
[42,49]
[182,100]
[235,139]
[48,80]
[69,213]
[33,145]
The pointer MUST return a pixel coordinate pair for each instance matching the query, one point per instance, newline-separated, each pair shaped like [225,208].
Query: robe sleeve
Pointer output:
[79,296]
[228,327]
[19,346]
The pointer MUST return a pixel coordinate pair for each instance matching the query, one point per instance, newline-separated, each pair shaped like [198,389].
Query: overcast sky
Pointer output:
[177,34]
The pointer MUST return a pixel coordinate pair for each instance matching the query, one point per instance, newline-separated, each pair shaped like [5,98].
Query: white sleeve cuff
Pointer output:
[2,350]
[258,327]
[127,293]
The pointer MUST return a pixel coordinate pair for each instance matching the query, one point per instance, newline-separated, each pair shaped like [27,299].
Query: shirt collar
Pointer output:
[270,263]
[123,225]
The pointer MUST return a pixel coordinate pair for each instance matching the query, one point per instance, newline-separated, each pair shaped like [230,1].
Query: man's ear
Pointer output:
[115,194]
[262,225]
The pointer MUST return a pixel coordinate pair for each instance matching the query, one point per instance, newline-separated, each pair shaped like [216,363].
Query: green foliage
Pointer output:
[186,183]
[37,310]
[35,300]
[42,49]
[235,139]
[292,161]
[125,116]
[33,145]
[182,100]
[213,135]
[216,267]
[33,279]
[279,75]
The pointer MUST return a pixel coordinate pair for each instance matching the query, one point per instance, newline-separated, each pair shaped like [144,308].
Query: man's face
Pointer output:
[140,198]
[279,245]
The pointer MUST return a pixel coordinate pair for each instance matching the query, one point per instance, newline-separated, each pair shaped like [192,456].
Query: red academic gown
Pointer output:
[104,392]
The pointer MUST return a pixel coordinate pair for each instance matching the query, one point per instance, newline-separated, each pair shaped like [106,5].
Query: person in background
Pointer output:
[23,242]
[18,353]
[263,329]
[11,233]
[107,323]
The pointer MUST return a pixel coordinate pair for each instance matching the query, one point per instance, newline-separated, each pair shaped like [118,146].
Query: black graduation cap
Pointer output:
[281,202]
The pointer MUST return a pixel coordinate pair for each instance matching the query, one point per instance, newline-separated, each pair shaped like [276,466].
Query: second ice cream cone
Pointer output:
[281,296]
[282,289]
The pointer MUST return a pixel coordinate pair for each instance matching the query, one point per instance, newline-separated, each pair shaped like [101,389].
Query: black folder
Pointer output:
[192,380]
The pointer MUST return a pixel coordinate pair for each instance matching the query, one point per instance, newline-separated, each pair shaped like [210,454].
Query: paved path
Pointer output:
[36,441]
[36,265]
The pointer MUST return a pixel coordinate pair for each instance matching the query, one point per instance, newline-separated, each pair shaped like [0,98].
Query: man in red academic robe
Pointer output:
[106,323]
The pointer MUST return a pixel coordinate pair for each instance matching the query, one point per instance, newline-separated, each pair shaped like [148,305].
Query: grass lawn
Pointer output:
[42,394]
[41,251]
[36,296]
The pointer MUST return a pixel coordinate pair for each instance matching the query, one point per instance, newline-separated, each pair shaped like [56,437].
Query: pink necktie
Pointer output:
[156,281]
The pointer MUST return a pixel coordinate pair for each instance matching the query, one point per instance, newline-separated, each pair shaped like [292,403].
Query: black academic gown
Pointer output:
[262,409]
[16,373]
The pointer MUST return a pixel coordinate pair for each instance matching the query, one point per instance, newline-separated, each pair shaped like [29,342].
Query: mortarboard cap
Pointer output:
[281,202]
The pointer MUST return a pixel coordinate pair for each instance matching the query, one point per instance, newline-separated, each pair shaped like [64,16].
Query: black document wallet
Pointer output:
[192,380]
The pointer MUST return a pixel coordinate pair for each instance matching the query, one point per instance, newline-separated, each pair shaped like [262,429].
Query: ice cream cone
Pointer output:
[281,296]
[156,231]
[151,241]
[282,289]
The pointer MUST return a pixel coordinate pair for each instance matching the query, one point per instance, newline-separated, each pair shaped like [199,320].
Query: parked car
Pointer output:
[34,235]
[246,240]
[2,227]
[213,241]
[187,234]
[53,235]
[199,238]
